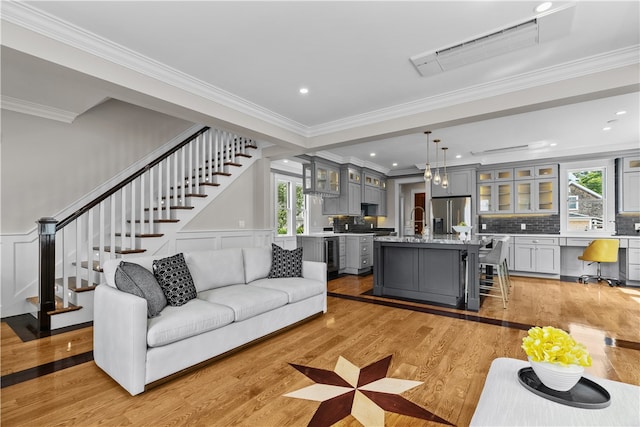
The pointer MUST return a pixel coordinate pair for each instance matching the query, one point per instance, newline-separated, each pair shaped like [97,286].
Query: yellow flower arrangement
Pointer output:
[549,344]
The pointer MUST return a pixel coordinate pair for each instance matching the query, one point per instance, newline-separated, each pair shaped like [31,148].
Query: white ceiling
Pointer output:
[354,58]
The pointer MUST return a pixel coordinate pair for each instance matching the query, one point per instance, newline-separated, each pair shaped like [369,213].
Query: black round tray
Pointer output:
[585,394]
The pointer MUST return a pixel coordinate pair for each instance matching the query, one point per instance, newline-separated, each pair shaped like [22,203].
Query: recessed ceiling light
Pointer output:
[543,6]
[606,128]
[553,144]
[286,161]
[458,156]
[621,112]
[304,90]
[372,154]
[394,164]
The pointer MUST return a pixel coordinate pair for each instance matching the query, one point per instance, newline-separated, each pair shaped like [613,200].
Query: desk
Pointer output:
[505,402]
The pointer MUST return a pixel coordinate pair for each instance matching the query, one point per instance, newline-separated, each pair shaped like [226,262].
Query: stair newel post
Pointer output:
[47,271]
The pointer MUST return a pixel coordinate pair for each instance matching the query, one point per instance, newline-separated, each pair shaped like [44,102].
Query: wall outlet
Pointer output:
[523,226]
[346,226]
[241,223]
[371,225]
[637,226]
[484,226]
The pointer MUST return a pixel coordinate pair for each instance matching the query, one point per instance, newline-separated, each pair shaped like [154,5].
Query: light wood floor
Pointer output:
[451,356]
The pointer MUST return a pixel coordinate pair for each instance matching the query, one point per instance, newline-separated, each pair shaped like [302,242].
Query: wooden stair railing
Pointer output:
[130,211]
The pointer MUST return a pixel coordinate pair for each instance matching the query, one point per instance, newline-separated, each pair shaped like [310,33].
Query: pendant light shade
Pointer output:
[436,176]
[445,178]
[427,169]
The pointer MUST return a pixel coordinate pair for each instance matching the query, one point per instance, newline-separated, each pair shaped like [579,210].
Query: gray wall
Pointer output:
[48,165]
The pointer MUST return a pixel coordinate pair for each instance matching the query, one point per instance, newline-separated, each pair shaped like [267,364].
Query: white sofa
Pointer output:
[236,304]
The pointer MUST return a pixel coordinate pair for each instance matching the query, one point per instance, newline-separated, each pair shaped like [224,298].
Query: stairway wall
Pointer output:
[48,165]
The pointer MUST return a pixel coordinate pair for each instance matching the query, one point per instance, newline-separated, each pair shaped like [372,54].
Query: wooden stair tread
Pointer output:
[85,286]
[59,308]
[172,207]
[248,156]
[119,250]
[95,265]
[159,221]
[141,235]
[232,164]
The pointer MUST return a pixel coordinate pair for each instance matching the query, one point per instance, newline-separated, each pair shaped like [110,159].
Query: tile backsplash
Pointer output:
[353,224]
[625,224]
[543,224]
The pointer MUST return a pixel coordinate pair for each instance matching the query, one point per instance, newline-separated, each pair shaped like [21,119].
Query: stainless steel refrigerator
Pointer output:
[449,211]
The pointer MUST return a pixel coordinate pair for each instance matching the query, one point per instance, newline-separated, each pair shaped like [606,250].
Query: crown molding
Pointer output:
[573,69]
[39,110]
[38,21]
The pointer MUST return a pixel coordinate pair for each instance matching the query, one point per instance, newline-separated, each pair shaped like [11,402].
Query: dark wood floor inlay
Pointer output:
[45,369]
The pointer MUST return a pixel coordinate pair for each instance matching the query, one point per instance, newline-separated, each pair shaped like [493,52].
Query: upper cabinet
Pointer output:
[629,182]
[529,189]
[321,178]
[350,198]
[460,184]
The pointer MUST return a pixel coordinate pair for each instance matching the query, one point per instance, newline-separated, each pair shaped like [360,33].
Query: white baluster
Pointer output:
[184,177]
[194,157]
[101,227]
[78,253]
[65,271]
[132,215]
[112,225]
[167,190]
[142,201]
[123,217]
[151,195]
[209,160]
[90,249]
[216,151]
[176,191]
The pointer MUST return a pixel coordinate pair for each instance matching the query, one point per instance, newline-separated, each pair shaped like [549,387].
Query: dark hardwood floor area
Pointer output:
[54,381]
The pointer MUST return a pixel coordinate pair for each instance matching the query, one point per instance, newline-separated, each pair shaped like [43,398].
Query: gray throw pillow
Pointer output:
[139,281]
[175,279]
[285,263]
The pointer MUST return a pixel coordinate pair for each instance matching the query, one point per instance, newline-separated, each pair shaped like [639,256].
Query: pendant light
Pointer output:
[436,176]
[427,169]
[445,177]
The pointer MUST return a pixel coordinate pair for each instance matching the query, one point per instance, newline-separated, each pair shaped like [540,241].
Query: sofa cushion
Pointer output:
[174,279]
[285,263]
[190,319]
[296,288]
[139,281]
[257,263]
[213,269]
[246,301]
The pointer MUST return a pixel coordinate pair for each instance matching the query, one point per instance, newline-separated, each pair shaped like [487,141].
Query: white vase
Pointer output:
[556,376]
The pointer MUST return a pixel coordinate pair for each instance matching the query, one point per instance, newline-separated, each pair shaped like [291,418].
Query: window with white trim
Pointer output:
[291,206]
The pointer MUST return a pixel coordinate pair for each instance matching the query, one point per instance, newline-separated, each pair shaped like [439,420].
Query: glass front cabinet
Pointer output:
[321,178]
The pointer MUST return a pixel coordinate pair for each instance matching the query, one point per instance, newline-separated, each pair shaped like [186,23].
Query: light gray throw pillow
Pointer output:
[137,280]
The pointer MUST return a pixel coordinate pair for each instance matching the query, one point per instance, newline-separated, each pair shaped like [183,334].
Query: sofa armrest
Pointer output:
[314,270]
[120,336]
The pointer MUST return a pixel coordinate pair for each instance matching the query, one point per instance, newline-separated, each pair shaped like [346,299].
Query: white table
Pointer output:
[505,402]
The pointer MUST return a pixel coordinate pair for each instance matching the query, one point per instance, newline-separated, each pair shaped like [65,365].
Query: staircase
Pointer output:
[140,215]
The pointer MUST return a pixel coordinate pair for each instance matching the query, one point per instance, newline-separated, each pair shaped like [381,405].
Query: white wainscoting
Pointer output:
[19,259]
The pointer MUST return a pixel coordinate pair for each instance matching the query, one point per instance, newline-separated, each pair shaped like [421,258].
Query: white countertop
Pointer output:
[565,235]
[332,234]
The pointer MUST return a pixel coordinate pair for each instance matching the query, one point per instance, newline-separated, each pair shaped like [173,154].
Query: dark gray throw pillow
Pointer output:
[139,281]
[175,279]
[285,263]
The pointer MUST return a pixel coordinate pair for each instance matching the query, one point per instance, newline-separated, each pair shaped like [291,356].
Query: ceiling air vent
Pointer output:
[510,39]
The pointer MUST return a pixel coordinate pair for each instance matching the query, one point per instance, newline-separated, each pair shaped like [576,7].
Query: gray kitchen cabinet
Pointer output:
[320,178]
[460,184]
[350,198]
[537,254]
[359,253]
[342,258]
[629,184]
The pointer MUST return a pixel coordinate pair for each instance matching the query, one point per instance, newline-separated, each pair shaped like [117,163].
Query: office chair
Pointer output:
[599,251]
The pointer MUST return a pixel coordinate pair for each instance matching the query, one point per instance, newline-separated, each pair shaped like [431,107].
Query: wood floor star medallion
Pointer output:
[365,393]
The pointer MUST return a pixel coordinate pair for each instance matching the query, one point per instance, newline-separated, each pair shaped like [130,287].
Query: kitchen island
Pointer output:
[430,270]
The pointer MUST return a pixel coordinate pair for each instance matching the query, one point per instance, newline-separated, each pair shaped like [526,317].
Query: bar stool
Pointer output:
[496,258]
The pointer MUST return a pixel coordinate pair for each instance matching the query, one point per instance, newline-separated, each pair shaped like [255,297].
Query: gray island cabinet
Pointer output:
[434,270]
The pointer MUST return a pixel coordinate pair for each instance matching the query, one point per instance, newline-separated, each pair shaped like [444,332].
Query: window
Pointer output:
[572,203]
[588,190]
[291,211]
